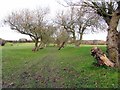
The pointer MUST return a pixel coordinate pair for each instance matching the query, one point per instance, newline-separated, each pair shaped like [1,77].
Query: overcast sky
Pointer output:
[7,6]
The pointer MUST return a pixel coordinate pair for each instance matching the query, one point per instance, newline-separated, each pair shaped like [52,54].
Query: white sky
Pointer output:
[7,6]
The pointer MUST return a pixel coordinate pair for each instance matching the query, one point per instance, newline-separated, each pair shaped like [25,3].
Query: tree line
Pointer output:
[67,25]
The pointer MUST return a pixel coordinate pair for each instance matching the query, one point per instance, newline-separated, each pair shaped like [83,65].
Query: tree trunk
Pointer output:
[41,45]
[36,45]
[81,31]
[112,38]
[62,45]
[118,13]
[74,38]
[80,40]
[119,49]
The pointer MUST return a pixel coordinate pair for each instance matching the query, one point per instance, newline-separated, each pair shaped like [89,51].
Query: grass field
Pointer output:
[49,68]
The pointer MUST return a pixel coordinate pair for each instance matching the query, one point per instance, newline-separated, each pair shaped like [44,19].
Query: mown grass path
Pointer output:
[50,68]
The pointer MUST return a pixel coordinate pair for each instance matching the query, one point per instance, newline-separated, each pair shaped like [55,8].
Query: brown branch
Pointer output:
[22,32]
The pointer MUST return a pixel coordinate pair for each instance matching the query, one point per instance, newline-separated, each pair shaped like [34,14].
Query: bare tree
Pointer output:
[47,36]
[29,23]
[66,20]
[85,17]
[77,22]
[110,12]
[61,37]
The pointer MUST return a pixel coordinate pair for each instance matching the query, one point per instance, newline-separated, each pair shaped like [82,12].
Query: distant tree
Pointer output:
[66,20]
[77,22]
[28,22]
[61,38]
[87,21]
[46,36]
[22,40]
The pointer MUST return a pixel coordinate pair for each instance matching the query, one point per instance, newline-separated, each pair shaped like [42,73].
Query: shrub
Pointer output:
[2,42]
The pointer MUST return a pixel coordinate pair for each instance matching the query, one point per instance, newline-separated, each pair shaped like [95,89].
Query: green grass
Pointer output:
[50,68]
